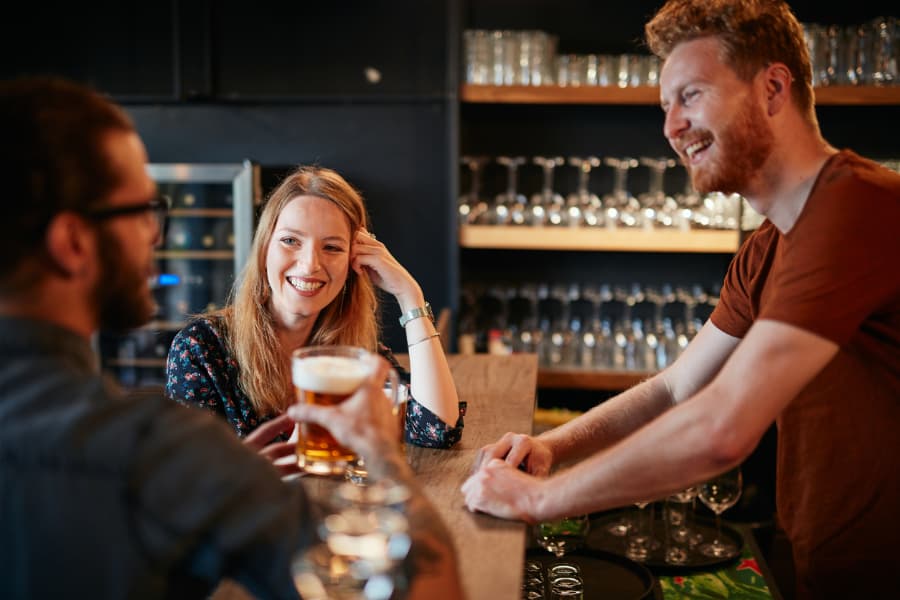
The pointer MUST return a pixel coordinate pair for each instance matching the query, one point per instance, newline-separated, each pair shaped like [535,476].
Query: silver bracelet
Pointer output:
[424,339]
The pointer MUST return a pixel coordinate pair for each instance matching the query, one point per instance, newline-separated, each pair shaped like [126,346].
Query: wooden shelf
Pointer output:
[164,325]
[196,254]
[863,95]
[647,95]
[551,94]
[201,212]
[136,362]
[597,239]
[585,379]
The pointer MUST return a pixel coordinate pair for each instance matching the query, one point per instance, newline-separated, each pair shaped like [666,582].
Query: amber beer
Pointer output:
[326,375]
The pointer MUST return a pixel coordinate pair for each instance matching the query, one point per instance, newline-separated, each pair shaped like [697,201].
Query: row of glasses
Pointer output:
[681,538]
[636,327]
[859,54]
[564,579]
[676,538]
[718,494]
[617,208]
[529,57]
[607,70]
[507,57]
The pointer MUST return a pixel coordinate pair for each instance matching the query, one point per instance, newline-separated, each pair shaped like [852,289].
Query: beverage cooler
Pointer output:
[206,243]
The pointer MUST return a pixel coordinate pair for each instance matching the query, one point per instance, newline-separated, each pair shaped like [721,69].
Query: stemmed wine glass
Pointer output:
[680,535]
[547,206]
[640,541]
[584,207]
[719,494]
[657,207]
[510,202]
[471,205]
[621,205]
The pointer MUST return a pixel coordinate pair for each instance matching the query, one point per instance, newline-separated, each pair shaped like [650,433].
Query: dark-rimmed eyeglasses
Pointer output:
[158,207]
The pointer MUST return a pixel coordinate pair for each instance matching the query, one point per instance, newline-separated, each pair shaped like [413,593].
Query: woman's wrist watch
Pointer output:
[415,313]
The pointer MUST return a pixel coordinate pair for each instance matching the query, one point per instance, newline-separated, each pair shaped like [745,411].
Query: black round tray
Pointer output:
[605,574]
[599,538]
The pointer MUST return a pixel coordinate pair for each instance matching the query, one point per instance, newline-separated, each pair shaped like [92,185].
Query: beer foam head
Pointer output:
[329,374]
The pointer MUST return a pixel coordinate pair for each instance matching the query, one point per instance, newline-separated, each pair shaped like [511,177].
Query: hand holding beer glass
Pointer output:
[328,376]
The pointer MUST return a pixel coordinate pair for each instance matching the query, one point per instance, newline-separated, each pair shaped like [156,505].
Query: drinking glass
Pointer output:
[551,203]
[622,207]
[883,47]
[563,535]
[658,207]
[361,549]
[510,202]
[472,205]
[584,207]
[477,46]
[640,541]
[719,494]
[565,581]
[356,471]
[680,535]
[328,375]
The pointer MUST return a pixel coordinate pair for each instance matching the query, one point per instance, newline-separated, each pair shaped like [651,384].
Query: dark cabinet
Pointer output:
[305,49]
[124,49]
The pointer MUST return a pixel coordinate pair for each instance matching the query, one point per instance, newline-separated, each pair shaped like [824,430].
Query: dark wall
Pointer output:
[366,88]
[369,88]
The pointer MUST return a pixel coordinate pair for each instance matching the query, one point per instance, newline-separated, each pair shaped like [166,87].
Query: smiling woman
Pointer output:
[310,280]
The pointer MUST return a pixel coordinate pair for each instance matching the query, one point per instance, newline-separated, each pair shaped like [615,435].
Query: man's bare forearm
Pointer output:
[609,422]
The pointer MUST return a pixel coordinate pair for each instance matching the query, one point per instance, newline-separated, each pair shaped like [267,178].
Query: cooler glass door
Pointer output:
[206,244]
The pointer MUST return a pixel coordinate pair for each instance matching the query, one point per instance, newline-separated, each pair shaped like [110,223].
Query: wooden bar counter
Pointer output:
[500,392]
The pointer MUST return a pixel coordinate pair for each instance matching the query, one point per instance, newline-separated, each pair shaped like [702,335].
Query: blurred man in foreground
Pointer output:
[104,495]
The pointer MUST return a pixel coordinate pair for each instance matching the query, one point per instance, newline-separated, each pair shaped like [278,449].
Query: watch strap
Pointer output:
[415,313]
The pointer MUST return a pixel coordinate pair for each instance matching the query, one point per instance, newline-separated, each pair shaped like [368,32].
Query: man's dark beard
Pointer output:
[121,297]
[744,146]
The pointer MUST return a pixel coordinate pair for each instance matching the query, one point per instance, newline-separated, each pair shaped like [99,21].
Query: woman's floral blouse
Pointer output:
[201,372]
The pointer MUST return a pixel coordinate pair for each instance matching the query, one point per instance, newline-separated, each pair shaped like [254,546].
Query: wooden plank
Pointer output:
[550,94]
[597,239]
[857,95]
[500,392]
[589,379]
[647,95]
[195,254]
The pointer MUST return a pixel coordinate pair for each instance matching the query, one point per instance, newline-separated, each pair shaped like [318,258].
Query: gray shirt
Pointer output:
[108,495]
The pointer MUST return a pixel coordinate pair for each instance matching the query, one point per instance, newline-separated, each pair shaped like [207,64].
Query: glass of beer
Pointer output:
[327,375]
[398,394]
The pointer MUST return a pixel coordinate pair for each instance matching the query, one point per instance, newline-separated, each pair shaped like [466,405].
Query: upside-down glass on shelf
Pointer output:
[328,375]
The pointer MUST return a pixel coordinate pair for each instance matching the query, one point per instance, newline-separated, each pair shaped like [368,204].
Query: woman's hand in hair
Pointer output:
[370,256]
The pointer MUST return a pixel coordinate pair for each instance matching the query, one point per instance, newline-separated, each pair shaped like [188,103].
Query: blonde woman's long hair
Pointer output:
[351,318]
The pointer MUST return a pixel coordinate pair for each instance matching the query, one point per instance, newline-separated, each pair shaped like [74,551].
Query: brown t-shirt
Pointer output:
[835,274]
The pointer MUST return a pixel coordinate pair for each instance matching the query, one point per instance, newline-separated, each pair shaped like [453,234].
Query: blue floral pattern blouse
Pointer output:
[202,373]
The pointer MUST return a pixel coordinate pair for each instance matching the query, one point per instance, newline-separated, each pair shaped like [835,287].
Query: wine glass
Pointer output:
[621,206]
[510,201]
[658,207]
[471,205]
[584,207]
[719,494]
[640,540]
[563,535]
[548,206]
